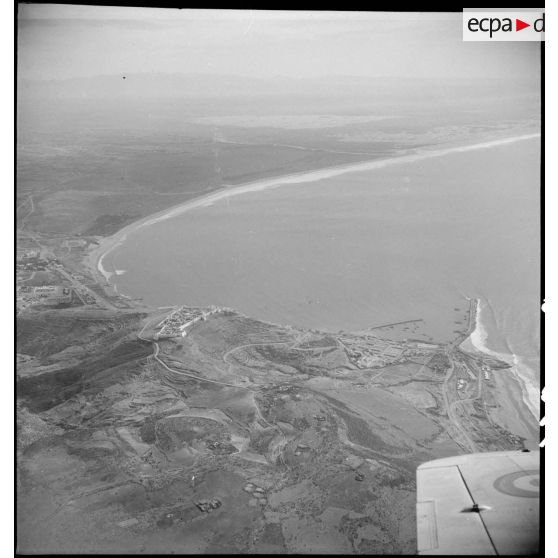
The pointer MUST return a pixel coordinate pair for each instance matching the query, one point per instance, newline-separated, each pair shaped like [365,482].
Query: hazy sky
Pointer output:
[57,42]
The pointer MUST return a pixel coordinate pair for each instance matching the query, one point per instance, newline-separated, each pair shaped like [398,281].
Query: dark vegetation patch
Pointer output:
[105,225]
[278,353]
[439,363]
[350,526]
[47,334]
[358,432]
[259,441]
[394,479]
[241,163]
[147,431]
[44,391]
[326,341]
[95,189]
[300,423]
[273,534]
[299,360]
[174,432]
[344,491]
[89,452]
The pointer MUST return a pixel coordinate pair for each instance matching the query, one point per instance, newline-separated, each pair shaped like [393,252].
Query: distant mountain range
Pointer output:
[180,86]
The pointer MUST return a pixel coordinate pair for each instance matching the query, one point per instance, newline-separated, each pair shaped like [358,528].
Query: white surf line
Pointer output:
[108,274]
[298,178]
[315,175]
[529,393]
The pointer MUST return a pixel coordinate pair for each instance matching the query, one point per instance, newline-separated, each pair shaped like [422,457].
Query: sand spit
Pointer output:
[95,259]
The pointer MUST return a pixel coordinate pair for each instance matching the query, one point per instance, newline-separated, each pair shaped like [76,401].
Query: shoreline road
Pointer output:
[77,285]
[450,410]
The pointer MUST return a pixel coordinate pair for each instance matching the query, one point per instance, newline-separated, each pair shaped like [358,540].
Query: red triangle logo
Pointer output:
[519,25]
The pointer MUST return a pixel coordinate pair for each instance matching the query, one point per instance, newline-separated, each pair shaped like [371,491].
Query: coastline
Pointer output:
[94,260]
[516,398]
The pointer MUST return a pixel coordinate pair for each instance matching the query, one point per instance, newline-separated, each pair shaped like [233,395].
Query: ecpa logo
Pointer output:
[503,25]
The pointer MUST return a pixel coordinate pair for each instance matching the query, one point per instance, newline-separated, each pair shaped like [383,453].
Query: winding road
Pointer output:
[155,356]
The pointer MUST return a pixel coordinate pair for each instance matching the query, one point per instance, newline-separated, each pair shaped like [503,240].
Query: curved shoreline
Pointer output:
[478,340]
[517,389]
[94,260]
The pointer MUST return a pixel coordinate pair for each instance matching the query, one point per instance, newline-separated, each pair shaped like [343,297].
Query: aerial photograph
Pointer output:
[278,283]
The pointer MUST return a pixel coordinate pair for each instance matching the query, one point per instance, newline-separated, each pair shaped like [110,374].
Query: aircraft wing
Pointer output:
[482,503]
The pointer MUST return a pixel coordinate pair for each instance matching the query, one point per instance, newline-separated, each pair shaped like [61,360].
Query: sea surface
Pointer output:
[407,241]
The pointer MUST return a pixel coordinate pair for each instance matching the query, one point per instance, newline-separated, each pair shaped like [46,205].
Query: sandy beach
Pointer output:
[518,401]
[94,261]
